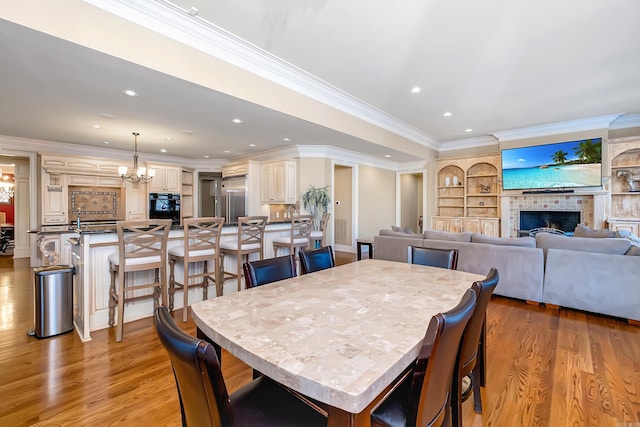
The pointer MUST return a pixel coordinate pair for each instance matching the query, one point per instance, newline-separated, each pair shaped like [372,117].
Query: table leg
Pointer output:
[340,418]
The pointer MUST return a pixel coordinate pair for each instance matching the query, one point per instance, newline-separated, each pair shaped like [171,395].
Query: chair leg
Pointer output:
[120,326]
[219,276]
[456,400]
[477,398]
[185,290]
[205,280]
[239,270]
[172,282]
[482,355]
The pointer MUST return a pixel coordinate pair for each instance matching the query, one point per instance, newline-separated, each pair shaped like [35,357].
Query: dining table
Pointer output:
[340,337]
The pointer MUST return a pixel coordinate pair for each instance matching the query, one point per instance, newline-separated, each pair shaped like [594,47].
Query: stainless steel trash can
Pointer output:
[53,300]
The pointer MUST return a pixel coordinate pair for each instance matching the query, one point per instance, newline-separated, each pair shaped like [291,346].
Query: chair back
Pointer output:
[316,259]
[301,230]
[204,400]
[443,258]
[142,245]
[470,340]
[269,270]
[431,382]
[201,236]
[251,231]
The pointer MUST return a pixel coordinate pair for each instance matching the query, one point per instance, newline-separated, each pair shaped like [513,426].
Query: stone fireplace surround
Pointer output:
[590,206]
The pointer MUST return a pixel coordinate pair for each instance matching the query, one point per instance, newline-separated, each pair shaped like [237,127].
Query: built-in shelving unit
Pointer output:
[624,211]
[468,188]
[186,201]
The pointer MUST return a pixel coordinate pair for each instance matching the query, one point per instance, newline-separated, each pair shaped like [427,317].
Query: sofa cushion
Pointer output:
[399,234]
[526,242]
[584,231]
[445,235]
[582,244]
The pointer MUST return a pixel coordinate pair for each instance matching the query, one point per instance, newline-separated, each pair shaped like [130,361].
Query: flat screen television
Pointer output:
[561,165]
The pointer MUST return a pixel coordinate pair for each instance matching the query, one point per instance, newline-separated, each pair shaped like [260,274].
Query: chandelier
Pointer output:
[6,189]
[138,173]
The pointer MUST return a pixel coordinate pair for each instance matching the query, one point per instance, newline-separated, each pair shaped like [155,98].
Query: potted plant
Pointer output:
[316,201]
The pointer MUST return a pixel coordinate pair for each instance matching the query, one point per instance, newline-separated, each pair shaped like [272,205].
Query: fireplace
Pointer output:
[561,220]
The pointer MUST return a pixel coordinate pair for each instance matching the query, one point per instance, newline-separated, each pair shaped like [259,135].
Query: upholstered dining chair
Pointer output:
[201,244]
[471,357]
[422,399]
[204,400]
[443,258]
[316,259]
[250,240]
[298,238]
[319,237]
[142,246]
[261,272]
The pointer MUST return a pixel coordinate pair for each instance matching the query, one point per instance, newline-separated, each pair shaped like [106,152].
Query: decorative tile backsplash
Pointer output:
[582,204]
[96,203]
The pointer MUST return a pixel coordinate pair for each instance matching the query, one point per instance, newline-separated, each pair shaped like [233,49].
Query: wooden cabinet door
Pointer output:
[55,200]
[136,201]
[490,227]
[472,225]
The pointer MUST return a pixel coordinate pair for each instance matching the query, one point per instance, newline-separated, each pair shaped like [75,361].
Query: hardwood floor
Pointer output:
[545,368]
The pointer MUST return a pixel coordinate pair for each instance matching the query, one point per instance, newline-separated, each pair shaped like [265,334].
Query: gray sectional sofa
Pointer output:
[595,274]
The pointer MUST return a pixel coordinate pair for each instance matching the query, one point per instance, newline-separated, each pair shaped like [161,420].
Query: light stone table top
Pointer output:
[339,335]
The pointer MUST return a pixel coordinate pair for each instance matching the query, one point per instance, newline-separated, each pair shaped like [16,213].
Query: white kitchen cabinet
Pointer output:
[136,201]
[278,182]
[166,180]
[54,199]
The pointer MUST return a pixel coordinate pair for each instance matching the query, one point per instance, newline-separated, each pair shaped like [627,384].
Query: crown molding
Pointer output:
[626,121]
[600,122]
[173,22]
[460,144]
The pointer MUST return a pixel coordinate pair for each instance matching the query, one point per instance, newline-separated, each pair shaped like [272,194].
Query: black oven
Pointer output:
[164,206]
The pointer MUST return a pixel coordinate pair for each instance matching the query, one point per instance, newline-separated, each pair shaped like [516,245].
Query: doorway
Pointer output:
[411,201]
[344,207]
[209,186]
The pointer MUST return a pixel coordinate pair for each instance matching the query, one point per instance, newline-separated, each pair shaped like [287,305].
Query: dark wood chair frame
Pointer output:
[443,258]
[261,272]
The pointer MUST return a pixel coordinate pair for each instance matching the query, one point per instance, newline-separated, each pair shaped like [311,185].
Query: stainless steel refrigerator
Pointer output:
[234,198]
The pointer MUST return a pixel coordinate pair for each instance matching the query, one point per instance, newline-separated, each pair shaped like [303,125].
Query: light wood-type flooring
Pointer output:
[545,368]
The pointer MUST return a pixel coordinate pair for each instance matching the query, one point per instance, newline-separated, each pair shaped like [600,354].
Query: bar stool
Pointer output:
[201,244]
[249,241]
[298,238]
[319,237]
[142,246]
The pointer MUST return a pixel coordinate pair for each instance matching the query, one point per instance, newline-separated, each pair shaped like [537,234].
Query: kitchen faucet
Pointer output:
[78,224]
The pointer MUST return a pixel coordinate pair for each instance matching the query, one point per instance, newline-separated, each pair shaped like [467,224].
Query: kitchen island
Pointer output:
[90,252]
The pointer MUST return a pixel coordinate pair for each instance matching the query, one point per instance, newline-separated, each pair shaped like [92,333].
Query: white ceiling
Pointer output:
[496,65]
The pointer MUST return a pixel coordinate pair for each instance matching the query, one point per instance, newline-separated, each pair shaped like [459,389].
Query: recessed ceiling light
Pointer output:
[468,130]
[168,139]
[130,92]
[163,150]
[252,145]
[227,151]
[286,139]
[447,114]
[387,155]
[206,157]
[236,121]
[105,142]
[107,116]
[187,131]
[416,89]
[96,126]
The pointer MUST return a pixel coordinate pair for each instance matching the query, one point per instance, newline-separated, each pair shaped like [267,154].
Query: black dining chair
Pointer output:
[316,259]
[204,400]
[443,258]
[422,399]
[269,270]
[471,357]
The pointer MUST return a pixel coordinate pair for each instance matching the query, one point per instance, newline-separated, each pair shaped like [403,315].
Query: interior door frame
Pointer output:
[354,204]
[399,174]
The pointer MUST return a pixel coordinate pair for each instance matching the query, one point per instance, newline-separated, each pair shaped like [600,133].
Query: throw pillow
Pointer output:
[407,230]
[633,251]
[398,229]
[445,235]
[584,231]
[525,242]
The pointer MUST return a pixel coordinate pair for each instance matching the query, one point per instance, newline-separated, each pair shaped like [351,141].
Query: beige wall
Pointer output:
[410,200]
[343,194]
[376,200]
